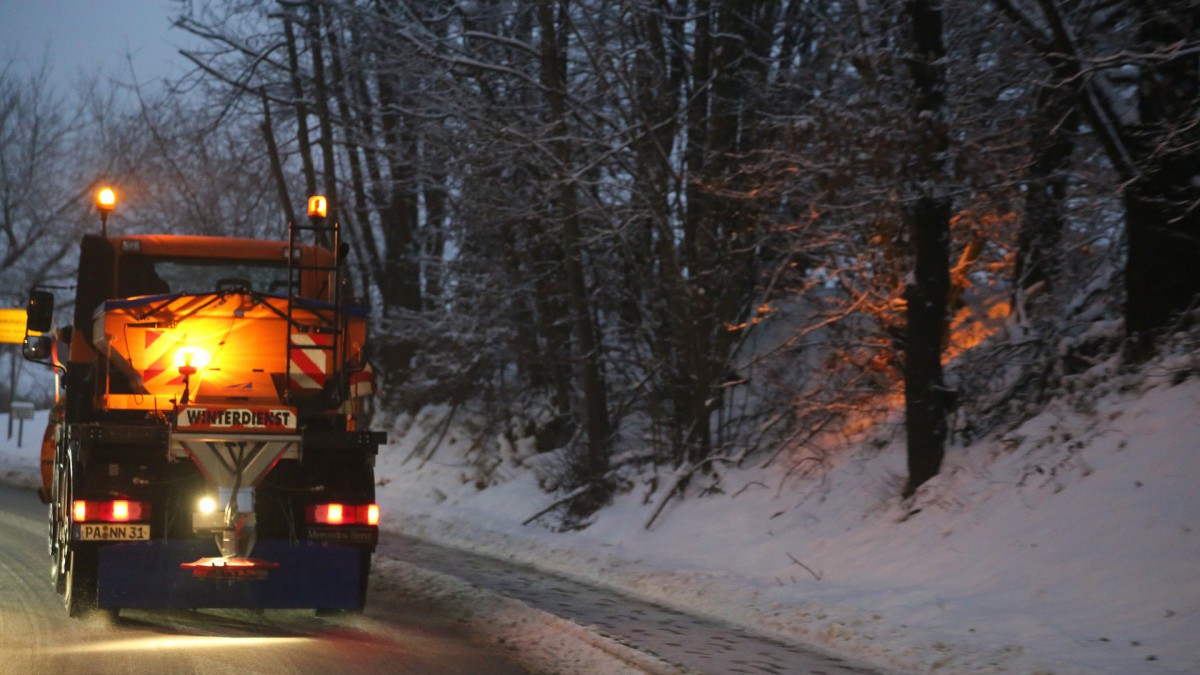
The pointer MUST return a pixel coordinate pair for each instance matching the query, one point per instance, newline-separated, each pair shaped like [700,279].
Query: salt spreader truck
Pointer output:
[208,449]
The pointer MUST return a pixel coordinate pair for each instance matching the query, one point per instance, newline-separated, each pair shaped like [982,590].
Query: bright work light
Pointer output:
[106,200]
[191,358]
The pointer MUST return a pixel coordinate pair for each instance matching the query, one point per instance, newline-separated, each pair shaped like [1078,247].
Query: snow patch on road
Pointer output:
[536,640]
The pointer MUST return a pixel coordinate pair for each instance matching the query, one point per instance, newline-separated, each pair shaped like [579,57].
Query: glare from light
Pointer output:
[317,206]
[106,199]
[193,357]
[335,514]
[208,505]
[179,642]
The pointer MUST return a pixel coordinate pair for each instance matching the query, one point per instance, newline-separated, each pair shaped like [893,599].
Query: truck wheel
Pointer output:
[60,530]
[75,570]
[79,589]
[58,560]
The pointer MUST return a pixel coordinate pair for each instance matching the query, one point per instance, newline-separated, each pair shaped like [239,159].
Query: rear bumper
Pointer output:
[311,575]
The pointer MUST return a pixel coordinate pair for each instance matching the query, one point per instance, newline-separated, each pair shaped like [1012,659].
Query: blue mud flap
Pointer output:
[147,575]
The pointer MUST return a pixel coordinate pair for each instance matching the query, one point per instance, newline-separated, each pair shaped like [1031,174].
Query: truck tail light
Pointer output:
[344,514]
[115,511]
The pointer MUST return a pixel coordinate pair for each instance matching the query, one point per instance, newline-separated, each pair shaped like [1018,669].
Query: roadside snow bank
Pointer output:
[1068,545]
[19,462]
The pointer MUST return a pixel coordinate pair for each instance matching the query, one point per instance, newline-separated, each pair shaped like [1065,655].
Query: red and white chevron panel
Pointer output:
[309,363]
[362,382]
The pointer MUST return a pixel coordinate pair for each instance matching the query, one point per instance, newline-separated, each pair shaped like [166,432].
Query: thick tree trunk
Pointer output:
[399,212]
[302,136]
[268,132]
[358,216]
[595,397]
[1163,201]
[315,28]
[925,396]
[924,389]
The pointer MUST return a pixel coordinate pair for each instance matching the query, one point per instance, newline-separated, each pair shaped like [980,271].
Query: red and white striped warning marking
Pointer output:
[308,362]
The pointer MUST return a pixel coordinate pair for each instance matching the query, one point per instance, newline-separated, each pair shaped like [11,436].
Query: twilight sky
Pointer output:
[83,38]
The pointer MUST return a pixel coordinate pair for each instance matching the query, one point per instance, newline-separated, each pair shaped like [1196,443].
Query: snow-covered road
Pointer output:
[693,643]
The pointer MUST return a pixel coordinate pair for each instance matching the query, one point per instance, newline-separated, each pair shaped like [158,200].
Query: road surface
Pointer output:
[425,614]
[692,643]
[397,633]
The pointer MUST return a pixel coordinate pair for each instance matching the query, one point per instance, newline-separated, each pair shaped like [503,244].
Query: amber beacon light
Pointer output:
[106,201]
[317,206]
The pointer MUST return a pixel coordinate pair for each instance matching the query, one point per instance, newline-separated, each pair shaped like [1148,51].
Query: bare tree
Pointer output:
[1152,145]
[45,179]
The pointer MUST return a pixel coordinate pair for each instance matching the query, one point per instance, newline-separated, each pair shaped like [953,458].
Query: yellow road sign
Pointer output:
[12,326]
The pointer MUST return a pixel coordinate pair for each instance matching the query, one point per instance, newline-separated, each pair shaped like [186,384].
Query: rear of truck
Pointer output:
[209,451]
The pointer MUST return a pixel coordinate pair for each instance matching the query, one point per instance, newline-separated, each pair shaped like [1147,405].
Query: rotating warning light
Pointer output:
[317,206]
[106,199]
[188,360]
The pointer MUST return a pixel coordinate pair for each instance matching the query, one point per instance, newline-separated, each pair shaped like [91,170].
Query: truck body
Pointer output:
[208,450]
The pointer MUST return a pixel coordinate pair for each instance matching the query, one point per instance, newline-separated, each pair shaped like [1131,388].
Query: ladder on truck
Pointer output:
[316,344]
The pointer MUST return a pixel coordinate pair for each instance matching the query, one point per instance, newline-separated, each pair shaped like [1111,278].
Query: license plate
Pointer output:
[107,532]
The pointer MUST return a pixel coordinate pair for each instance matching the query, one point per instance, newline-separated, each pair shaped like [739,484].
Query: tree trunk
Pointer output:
[268,132]
[595,399]
[302,136]
[314,26]
[929,220]
[1162,273]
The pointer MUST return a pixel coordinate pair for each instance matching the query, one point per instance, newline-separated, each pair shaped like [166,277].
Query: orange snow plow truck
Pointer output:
[207,451]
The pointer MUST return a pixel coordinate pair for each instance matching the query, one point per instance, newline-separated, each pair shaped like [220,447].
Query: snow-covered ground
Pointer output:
[1070,545]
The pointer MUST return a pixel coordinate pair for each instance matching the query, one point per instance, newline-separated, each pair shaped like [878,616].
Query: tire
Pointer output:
[75,569]
[60,527]
[79,588]
[58,557]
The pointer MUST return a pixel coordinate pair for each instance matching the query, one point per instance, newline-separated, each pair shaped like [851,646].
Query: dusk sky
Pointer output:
[83,38]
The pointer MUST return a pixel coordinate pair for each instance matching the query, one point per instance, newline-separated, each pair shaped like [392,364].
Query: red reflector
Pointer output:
[230,568]
[344,514]
[116,511]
